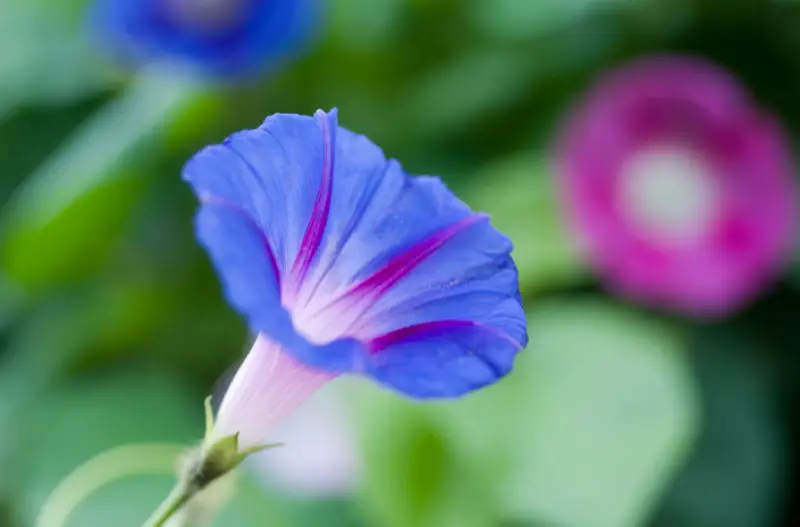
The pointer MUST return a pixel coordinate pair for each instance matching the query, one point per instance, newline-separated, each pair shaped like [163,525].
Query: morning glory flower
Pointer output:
[213,37]
[679,187]
[344,264]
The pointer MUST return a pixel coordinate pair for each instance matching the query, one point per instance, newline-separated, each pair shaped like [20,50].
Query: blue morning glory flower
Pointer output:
[215,37]
[343,263]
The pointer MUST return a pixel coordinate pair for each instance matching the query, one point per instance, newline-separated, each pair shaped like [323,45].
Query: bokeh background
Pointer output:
[113,327]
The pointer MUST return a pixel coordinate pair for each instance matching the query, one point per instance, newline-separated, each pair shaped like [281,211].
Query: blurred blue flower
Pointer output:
[215,37]
[343,263]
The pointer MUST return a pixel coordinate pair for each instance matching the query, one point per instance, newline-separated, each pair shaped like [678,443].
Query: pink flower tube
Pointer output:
[679,188]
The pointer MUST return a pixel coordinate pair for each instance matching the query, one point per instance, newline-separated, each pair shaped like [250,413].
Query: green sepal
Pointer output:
[215,457]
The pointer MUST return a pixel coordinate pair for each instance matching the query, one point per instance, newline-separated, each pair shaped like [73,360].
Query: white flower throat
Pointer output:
[670,192]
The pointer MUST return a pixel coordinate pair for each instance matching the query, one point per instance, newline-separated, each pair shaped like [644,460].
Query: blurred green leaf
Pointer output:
[524,19]
[405,464]
[75,422]
[610,414]
[793,274]
[44,53]
[410,475]
[65,216]
[482,428]
[588,430]
[521,195]
[30,134]
[365,23]
[322,513]
[465,89]
[77,243]
[67,329]
[123,313]
[39,348]
[737,475]
[249,506]
[106,145]
[12,303]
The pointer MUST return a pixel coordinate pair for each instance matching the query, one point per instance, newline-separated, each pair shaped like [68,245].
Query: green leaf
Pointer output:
[405,464]
[71,328]
[523,19]
[462,91]
[739,471]
[30,134]
[77,243]
[106,144]
[122,313]
[597,416]
[38,350]
[249,506]
[323,513]
[481,429]
[72,423]
[63,220]
[151,417]
[79,326]
[793,274]
[521,196]
[45,55]
[610,414]
[365,23]
[410,475]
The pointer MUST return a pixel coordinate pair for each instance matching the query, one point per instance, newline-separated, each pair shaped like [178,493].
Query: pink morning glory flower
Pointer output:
[342,263]
[679,187]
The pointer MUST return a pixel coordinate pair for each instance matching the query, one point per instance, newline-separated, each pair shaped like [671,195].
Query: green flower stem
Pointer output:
[179,497]
[201,466]
[107,467]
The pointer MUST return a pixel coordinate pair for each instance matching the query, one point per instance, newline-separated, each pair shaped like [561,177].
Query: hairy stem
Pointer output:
[179,496]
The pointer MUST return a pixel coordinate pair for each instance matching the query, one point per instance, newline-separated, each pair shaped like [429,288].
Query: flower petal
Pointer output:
[247,268]
[272,173]
[441,359]
[250,279]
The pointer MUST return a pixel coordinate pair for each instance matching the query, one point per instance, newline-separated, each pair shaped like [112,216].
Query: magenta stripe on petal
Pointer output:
[351,305]
[319,215]
[416,331]
[400,266]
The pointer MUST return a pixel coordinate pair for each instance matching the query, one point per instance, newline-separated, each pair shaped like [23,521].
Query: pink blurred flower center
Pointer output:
[670,193]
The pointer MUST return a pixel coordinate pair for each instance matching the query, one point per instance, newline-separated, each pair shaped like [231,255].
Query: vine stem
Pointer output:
[186,487]
[107,467]
[178,497]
